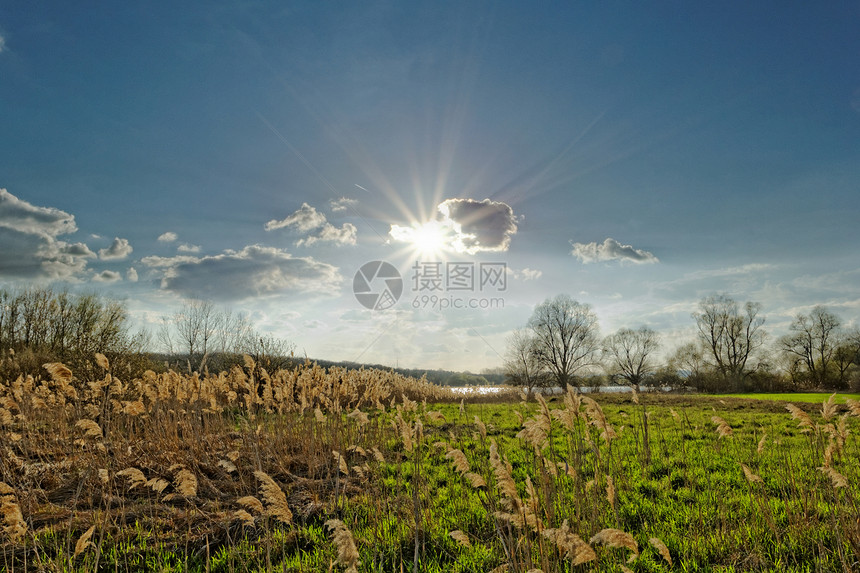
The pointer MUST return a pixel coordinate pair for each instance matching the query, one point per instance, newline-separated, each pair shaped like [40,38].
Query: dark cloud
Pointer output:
[118,250]
[26,218]
[479,225]
[611,250]
[29,247]
[107,277]
[253,271]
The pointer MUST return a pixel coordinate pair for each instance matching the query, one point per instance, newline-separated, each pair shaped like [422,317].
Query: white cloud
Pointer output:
[167,237]
[188,248]
[107,277]
[527,274]
[29,247]
[2,44]
[342,204]
[131,275]
[308,219]
[118,250]
[305,219]
[253,271]
[611,250]
[479,225]
[344,235]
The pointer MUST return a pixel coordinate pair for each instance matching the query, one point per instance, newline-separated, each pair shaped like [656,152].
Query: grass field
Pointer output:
[314,470]
[811,397]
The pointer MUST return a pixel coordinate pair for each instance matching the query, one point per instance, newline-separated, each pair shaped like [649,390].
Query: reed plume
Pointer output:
[661,549]
[84,542]
[347,553]
[617,538]
[274,498]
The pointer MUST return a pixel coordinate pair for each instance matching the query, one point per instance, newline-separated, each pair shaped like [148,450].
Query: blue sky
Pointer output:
[635,156]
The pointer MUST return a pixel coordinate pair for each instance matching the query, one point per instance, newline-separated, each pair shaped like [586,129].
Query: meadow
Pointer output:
[315,469]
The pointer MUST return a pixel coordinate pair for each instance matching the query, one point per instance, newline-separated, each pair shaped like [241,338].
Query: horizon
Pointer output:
[495,155]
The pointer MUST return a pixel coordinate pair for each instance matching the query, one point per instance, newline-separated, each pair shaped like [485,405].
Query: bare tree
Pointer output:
[731,336]
[269,352]
[629,354]
[522,365]
[846,355]
[195,325]
[234,332]
[813,340]
[566,335]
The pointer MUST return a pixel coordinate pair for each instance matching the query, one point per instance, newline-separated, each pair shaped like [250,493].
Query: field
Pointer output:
[335,470]
[811,397]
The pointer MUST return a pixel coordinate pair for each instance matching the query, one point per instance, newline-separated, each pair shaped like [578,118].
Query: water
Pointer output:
[487,390]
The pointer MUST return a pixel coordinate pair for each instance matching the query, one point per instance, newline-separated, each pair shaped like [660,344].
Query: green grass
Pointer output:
[811,397]
[693,494]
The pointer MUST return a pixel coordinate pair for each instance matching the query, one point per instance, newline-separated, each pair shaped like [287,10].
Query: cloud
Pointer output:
[464,226]
[479,225]
[2,44]
[131,275]
[117,251]
[237,275]
[527,274]
[309,219]
[107,277]
[22,216]
[305,219]
[188,248]
[167,237]
[342,204]
[344,235]
[611,250]
[29,247]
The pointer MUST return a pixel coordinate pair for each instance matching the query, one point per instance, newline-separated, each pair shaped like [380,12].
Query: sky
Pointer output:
[402,183]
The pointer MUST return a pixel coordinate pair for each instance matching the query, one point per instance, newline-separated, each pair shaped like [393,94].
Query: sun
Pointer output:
[431,238]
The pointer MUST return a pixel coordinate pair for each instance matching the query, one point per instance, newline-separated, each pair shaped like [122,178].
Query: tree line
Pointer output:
[201,336]
[561,346]
[40,325]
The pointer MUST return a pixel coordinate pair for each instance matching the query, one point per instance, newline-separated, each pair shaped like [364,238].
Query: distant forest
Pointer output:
[40,325]
[560,346]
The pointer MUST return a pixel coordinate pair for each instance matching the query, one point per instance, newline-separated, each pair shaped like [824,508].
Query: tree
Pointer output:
[268,351]
[208,337]
[814,340]
[846,355]
[191,330]
[42,326]
[729,335]
[566,337]
[629,354]
[522,365]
